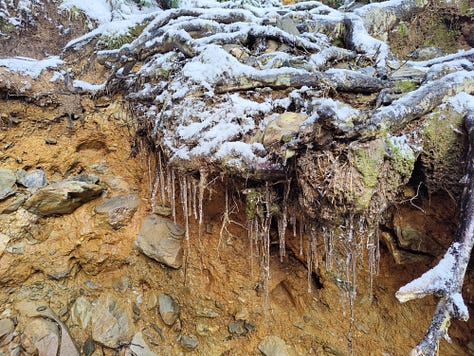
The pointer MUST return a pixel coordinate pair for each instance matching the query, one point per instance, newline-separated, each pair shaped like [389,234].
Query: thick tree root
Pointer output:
[446,278]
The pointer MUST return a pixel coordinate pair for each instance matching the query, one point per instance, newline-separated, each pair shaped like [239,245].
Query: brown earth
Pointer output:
[217,276]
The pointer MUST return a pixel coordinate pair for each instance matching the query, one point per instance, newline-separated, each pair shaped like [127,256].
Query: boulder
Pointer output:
[62,197]
[117,211]
[112,324]
[7,183]
[161,240]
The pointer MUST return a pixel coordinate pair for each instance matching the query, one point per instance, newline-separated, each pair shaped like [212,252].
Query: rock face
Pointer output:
[7,183]
[112,324]
[62,197]
[116,211]
[161,240]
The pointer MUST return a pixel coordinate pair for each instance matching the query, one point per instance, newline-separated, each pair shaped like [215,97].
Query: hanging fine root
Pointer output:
[446,278]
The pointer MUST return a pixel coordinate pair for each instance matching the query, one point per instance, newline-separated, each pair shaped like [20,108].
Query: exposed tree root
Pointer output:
[445,280]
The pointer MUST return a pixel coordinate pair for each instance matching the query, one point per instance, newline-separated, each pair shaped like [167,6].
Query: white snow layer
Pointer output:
[30,66]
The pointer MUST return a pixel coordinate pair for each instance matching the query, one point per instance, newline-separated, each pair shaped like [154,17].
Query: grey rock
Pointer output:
[7,183]
[62,197]
[81,313]
[240,327]
[206,313]
[36,311]
[408,73]
[6,327]
[161,240]
[33,179]
[273,346]
[86,178]
[16,202]
[17,249]
[189,342]
[283,128]
[401,256]
[286,24]
[117,211]
[426,53]
[112,324]
[4,240]
[89,347]
[169,309]
[41,337]
[139,347]
[206,330]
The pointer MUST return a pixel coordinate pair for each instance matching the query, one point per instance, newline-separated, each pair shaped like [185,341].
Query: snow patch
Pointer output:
[30,66]
[92,88]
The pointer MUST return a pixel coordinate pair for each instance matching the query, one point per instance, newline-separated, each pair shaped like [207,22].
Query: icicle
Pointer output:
[162,177]
[301,223]
[293,222]
[328,238]
[266,262]
[373,254]
[168,184]
[154,191]
[250,232]
[282,221]
[150,179]
[173,195]
[309,264]
[225,219]
[266,247]
[194,195]
[202,187]
[183,187]
[314,248]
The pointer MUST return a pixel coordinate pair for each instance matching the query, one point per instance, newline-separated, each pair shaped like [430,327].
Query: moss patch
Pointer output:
[443,149]
[115,42]
[368,160]
[401,154]
[405,86]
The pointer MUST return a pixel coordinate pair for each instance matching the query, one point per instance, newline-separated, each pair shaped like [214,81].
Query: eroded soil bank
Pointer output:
[106,292]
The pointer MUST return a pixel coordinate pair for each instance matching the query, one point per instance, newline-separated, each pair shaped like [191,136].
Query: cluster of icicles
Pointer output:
[343,247]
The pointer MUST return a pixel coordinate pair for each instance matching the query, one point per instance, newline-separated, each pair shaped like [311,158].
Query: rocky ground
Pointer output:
[96,257]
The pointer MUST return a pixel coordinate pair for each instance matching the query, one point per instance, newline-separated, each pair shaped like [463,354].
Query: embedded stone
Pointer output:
[161,240]
[189,343]
[117,211]
[273,346]
[62,197]
[283,128]
[7,183]
[33,179]
[169,309]
[112,324]
[139,347]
